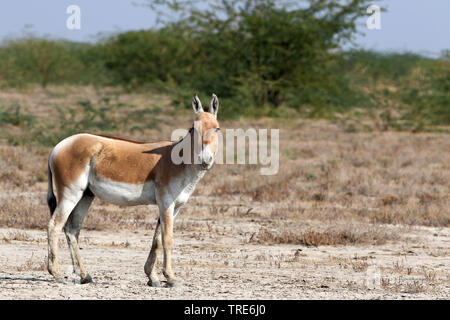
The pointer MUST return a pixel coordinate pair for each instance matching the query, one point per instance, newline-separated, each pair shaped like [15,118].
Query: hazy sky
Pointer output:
[414,25]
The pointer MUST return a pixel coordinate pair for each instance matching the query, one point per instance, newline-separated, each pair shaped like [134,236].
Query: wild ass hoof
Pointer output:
[88,279]
[154,284]
[58,278]
[171,284]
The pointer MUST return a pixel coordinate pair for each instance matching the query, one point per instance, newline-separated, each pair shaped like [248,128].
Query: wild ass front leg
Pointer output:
[167,218]
[152,260]
[150,265]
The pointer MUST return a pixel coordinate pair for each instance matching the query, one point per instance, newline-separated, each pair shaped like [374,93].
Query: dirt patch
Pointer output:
[221,265]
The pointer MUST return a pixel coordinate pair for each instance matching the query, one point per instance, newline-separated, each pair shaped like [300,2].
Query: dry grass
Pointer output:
[22,167]
[334,236]
[17,236]
[32,265]
[26,212]
[392,178]
[410,286]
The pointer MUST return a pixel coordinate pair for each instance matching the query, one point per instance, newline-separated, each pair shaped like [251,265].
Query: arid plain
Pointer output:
[355,212]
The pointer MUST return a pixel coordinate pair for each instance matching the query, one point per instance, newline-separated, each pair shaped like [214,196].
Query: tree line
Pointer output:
[260,55]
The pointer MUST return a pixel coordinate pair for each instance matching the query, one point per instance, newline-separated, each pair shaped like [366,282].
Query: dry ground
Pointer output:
[349,215]
[221,264]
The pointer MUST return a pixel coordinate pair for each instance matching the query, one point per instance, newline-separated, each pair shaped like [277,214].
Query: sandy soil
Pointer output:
[214,260]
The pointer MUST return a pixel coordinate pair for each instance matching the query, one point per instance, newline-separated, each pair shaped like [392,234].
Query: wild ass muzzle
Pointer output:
[127,173]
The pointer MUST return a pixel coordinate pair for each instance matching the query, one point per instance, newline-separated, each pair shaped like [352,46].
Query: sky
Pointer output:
[408,25]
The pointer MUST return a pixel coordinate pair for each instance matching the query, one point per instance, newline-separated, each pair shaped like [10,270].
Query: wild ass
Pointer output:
[85,166]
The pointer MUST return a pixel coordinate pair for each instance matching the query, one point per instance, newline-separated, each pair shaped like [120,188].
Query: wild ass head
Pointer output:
[204,132]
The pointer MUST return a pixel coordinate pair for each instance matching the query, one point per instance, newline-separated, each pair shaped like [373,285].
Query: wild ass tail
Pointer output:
[51,199]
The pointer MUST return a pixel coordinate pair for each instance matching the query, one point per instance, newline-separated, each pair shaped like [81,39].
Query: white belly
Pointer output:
[121,193]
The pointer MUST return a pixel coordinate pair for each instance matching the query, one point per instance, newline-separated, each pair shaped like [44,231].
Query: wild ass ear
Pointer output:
[214,105]
[197,105]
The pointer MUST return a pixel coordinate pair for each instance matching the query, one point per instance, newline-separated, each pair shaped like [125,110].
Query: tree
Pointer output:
[260,50]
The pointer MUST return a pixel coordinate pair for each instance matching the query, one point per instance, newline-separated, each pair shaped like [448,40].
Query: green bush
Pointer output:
[142,57]
[36,60]
[381,66]
[430,102]
[33,60]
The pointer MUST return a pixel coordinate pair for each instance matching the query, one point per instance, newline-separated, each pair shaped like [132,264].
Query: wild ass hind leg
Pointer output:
[62,212]
[150,265]
[72,231]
